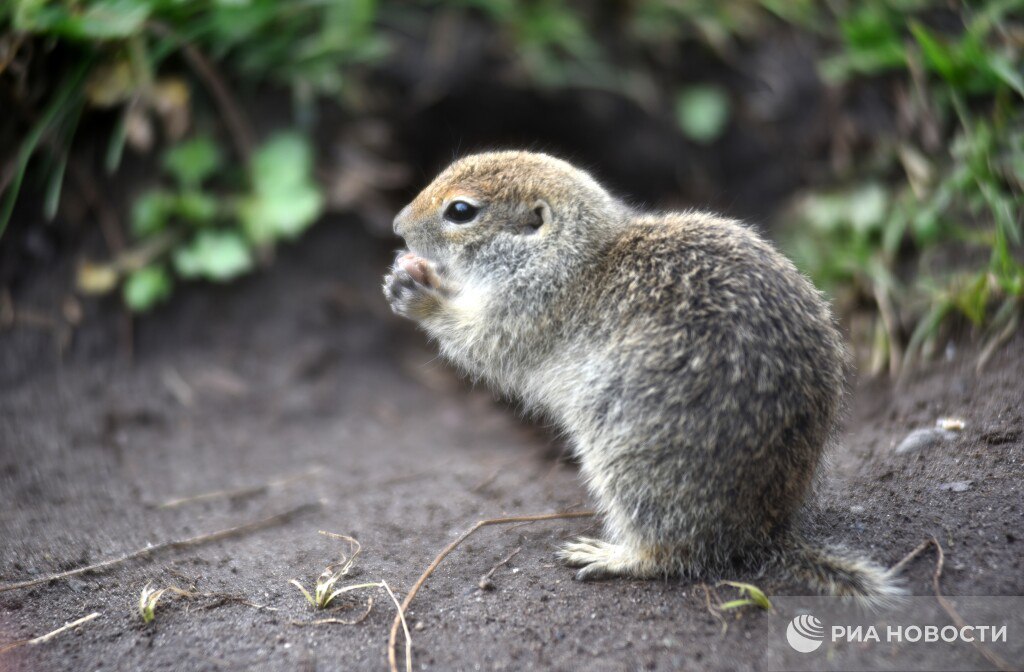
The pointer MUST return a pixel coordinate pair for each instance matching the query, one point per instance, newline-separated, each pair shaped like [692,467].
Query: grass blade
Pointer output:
[67,92]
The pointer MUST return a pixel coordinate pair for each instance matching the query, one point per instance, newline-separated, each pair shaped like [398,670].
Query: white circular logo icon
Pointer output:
[805,633]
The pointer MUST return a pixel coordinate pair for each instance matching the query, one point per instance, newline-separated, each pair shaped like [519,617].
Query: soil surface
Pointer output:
[300,378]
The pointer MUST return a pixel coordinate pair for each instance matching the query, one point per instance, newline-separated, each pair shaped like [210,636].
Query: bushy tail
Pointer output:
[834,571]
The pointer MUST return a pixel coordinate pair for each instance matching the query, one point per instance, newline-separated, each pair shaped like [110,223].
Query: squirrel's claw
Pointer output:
[601,560]
[415,293]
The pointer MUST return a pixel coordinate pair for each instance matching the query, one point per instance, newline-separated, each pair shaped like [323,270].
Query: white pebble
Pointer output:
[920,439]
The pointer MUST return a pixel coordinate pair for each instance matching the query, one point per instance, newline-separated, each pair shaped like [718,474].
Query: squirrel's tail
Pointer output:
[835,571]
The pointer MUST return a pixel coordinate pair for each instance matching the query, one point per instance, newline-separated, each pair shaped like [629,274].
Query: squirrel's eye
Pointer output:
[461,212]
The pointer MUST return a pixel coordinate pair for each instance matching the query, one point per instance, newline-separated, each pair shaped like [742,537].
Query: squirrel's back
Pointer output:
[699,335]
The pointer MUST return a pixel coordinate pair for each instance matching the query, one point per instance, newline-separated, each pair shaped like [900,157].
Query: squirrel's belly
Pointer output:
[570,386]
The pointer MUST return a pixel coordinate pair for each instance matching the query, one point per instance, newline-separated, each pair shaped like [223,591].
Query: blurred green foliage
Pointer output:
[947,186]
[216,236]
[301,44]
[217,218]
[702,112]
[881,236]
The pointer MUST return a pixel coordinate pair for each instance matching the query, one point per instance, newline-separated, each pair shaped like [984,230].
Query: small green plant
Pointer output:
[750,596]
[147,602]
[324,591]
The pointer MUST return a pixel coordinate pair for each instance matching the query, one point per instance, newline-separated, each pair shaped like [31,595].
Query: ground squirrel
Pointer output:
[698,375]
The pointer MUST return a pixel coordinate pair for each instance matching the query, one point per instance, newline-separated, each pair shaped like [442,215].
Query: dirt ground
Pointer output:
[302,367]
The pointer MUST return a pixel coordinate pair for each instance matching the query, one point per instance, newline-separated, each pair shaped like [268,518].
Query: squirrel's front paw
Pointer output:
[414,287]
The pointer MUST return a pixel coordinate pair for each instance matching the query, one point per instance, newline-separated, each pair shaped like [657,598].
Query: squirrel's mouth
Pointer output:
[428,253]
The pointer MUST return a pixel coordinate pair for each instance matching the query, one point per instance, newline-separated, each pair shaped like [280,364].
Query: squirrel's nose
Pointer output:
[400,219]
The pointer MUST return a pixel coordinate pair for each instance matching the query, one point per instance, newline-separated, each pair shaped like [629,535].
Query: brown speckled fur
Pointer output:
[698,375]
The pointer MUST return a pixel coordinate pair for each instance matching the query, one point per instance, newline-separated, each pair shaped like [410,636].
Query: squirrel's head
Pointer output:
[507,211]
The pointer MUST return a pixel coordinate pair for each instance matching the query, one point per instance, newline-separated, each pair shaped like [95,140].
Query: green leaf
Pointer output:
[115,148]
[213,255]
[1003,69]
[283,162]
[702,112]
[99,20]
[872,44]
[926,226]
[971,298]
[270,216]
[285,201]
[146,287]
[309,598]
[53,190]
[868,206]
[67,94]
[193,161]
[869,28]
[151,211]
[755,594]
[937,55]
[196,207]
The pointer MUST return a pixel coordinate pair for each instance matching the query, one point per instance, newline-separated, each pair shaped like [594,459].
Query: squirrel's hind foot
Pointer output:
[602,560]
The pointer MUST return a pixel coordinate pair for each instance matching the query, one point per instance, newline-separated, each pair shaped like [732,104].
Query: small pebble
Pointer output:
[956,486]
[920,439]
[951,424]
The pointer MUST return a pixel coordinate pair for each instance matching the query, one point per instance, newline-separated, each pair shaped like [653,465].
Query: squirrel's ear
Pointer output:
[538,217]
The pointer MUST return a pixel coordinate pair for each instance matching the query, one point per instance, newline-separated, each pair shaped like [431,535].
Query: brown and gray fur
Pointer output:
[697,374]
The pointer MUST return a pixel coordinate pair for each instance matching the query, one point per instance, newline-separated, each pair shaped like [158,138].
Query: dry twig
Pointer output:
[487,481]
[996,342]
[339,621]
[276,519]
[400,619]
[711,608]
[940,560]
[238,126]
[50,635]
[239,493]
[891,324]
[106,214]
[485,582]
[219,598]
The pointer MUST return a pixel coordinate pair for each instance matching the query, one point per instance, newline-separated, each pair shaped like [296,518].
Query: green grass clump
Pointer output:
[148,599]
[930,228]
[324,591]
